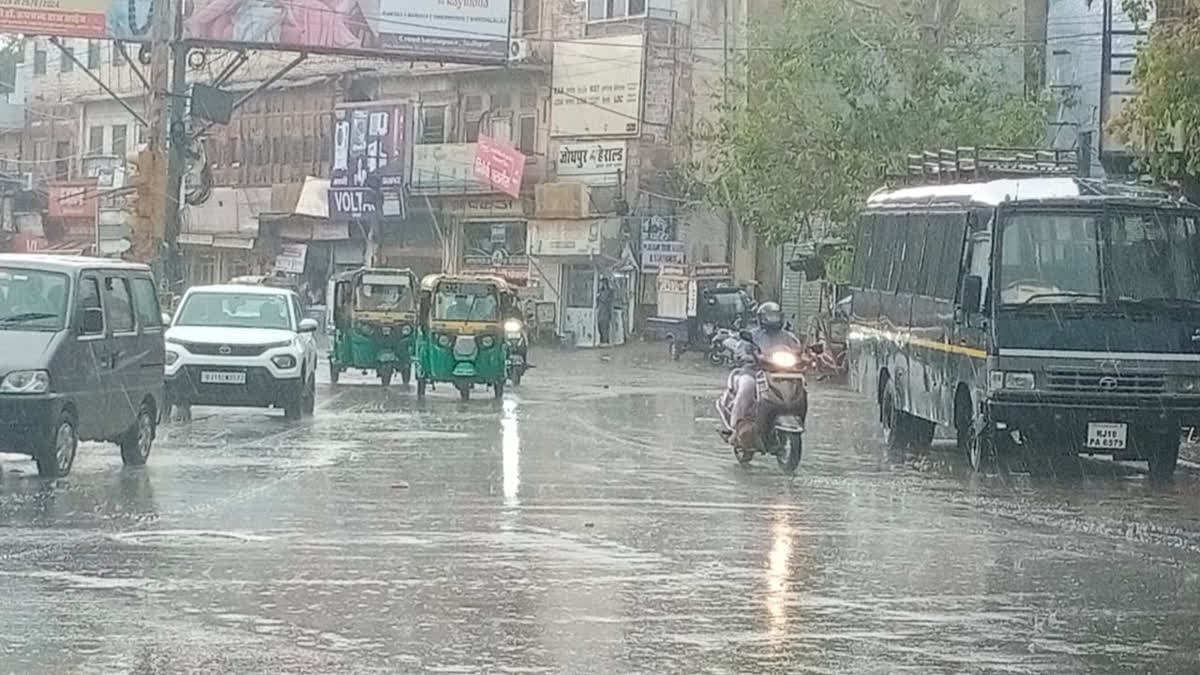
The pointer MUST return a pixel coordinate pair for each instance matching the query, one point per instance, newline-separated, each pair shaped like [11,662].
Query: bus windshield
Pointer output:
[1131,255]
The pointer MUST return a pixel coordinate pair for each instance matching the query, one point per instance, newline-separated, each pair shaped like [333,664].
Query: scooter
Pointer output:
[518,350]
[780,410]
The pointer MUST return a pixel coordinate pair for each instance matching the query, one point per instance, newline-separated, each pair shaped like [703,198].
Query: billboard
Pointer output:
[122,19]
[499,165]
[596,87]
[72,199]
[473,31]
[592,163]
[368,158]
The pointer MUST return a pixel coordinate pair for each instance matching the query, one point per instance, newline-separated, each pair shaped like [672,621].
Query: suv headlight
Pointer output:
[1001,379]
[26,382]
[284,361]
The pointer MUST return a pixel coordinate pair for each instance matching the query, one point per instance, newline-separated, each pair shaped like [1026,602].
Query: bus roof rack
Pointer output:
[964,164]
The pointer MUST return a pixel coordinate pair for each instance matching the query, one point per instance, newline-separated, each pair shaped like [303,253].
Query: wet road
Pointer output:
[592,523]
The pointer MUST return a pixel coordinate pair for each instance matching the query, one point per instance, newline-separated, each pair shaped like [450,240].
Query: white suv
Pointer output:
[242,346]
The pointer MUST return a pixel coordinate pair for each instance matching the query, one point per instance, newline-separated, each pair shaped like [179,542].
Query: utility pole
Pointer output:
[176,165]
[153,196]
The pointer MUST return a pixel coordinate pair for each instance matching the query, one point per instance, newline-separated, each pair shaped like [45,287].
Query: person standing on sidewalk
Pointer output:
[604,307]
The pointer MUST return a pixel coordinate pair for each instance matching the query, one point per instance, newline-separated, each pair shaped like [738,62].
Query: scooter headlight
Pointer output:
[783,359]
[512,326]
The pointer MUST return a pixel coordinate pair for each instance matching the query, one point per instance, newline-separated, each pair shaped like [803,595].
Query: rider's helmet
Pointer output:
[770,316]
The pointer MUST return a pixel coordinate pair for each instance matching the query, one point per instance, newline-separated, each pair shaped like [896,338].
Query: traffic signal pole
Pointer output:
[153,199]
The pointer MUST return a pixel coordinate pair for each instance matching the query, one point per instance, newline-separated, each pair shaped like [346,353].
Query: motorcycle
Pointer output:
[722,347]
[780,410]
[518,350]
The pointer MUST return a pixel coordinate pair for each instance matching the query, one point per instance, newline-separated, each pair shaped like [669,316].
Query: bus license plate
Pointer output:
[1106,436]
[213,377]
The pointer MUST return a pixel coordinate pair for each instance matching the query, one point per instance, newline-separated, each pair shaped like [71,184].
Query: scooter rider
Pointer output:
[768,335]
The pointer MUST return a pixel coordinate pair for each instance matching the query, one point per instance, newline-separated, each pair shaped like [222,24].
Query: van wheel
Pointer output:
[55,452]
[1163,456]
[135,445]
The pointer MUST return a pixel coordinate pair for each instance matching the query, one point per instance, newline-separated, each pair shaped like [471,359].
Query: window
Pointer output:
[935,227]
[906,274]
[115,57]
[433,124]
[32,299]
[502,101]
[145,303]
[862,251]
[471,131]
[600,10]
[531,11]
[980,263]
[473,104]
[62,160]
[39,60]
[66,61]
[883,261]
[1049,257]
[118,141]
[952,254]
[527,139]
[117,304]
[234,157]
[1152,256]
[93,54]
[487,242]
[528,99]
[235,310]
[89,298]
[95,140]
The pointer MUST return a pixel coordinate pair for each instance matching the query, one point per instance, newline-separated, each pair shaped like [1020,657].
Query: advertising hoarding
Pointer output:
[119,19]
[291,258]
[597,87]
[499,165]
[469,31]
[368,158]
[446,168]
[72,199]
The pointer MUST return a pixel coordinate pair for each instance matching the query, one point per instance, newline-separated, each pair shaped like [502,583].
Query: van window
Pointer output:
[952,254]
[145,303]
[118,306]
[89,297]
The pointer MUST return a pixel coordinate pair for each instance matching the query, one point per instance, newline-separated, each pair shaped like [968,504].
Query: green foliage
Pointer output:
[835,91]
[1162,123]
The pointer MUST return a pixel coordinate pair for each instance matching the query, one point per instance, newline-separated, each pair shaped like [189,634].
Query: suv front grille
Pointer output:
[1106,383]
[214,349]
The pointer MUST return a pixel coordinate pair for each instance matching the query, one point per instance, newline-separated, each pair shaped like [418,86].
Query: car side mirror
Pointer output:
[308,325]
[166,318]
[972,294]
[745,335]
[91,321]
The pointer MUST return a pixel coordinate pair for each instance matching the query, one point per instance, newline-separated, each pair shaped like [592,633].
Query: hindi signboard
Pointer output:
[368,158]
[291,258]
[499,164]
[596,87]
[594,163]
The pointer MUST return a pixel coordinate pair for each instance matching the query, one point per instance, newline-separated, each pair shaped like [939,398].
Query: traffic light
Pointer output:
[147,215]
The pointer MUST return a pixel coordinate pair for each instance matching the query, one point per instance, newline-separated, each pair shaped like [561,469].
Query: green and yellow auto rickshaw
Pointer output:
[375,322]
[461,337]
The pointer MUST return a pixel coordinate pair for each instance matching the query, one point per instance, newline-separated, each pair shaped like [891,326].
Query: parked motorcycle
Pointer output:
[722,347]
[780,410]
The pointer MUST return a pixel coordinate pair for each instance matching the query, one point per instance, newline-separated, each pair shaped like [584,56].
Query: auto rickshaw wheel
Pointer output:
[464,390]
[420,388]
[385,375]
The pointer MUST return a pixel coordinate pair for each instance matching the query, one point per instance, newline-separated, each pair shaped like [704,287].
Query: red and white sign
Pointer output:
[499,165]
[72,199]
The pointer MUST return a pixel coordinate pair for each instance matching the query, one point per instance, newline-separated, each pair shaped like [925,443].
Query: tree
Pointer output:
[1161,124]
[835,90]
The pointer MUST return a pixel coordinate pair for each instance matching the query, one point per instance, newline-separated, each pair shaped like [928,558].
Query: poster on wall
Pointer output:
[291,258]
[499,165]
[368,158]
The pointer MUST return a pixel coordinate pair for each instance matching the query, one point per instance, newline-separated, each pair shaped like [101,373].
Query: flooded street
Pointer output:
[592,522]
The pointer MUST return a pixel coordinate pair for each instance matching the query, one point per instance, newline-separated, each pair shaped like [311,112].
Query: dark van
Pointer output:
[81,357]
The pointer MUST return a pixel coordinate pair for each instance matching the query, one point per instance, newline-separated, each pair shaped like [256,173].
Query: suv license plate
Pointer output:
[1106,436]
[210,377]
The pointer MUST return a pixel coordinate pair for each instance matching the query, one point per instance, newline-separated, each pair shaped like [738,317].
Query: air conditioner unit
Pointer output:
[27,179]
[518,51]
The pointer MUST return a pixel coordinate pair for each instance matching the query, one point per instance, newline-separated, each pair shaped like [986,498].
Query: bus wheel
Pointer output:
[978,446]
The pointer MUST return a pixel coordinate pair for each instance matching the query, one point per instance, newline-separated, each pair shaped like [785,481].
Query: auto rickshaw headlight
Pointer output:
[487,341]
[512,326]
[444,340]
[387,330]
[406,330]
